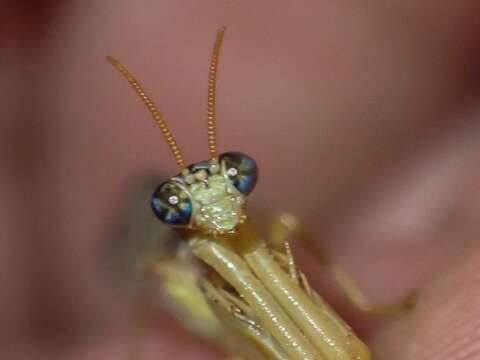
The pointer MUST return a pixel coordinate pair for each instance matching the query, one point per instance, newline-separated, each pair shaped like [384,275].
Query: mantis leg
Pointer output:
[320,324]
[210,312]
[233,269]
[303,282]
[286,226]
[240,319]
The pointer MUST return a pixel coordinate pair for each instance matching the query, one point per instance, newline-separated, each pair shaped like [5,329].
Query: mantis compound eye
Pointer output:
[241,169]
[171,204]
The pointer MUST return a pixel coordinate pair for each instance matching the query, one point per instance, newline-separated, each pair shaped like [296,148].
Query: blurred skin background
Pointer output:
[363,117]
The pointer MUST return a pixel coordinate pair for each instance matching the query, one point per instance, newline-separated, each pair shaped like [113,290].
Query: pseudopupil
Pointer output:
[171,204]
[241,169]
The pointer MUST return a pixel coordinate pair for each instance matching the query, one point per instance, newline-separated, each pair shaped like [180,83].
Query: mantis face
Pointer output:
[209,195]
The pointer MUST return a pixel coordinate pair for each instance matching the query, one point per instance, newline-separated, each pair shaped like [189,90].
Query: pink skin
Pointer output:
[358,115]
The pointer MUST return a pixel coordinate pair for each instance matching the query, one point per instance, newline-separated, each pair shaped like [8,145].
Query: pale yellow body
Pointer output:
[272,314]
[302,326]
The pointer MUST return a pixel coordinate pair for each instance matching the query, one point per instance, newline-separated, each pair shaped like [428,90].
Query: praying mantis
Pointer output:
[225,281]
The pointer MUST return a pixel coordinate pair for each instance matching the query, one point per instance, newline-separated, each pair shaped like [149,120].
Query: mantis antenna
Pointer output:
[211,100]
[157,116]
[152,108]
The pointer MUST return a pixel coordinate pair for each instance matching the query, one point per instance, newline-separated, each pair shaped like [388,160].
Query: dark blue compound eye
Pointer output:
[171,204]
[241,169]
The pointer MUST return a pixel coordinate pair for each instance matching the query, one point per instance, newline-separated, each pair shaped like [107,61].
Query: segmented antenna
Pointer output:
[211,100]
[152,108]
